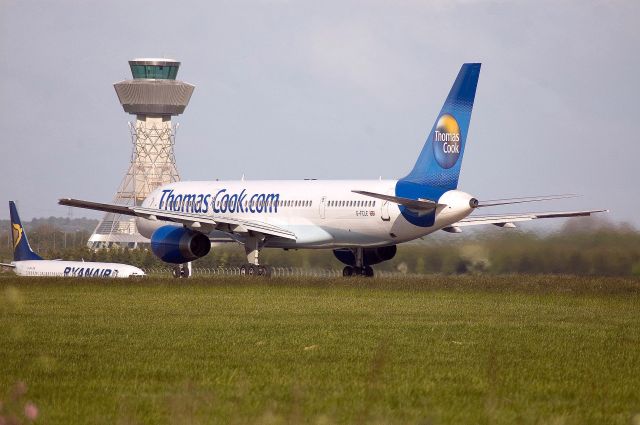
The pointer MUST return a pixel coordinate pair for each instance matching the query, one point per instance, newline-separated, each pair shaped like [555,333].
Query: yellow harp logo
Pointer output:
[17,234]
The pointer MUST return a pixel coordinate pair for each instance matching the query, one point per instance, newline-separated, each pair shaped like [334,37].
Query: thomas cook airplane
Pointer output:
[362,221]
[28,263]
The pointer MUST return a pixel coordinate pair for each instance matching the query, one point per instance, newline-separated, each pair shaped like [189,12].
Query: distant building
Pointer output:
[153,96]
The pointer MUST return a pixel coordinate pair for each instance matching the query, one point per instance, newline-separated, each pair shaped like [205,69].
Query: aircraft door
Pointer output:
[384,213]
[323,204]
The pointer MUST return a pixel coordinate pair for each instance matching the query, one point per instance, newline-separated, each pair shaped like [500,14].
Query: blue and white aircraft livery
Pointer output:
[362,221]
[28,263]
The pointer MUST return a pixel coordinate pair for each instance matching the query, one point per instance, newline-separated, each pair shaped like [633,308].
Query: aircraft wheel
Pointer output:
[264,271]
[252,270]
[184,271]
[176,272]
[368,271]
[243,270]
[347,271]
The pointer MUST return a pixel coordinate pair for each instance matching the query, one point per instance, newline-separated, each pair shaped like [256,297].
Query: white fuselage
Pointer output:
[59,268]
[321,213]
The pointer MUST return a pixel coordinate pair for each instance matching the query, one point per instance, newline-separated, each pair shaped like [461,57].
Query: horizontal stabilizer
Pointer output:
[421,205]
[7,265]
[509,201]
[507,220]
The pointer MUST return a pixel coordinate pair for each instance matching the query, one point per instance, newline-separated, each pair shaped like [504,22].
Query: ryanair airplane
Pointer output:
[362,221]
[28,263]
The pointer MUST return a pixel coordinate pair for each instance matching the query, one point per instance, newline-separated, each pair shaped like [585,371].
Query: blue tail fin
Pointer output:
[438,165]
[21,249]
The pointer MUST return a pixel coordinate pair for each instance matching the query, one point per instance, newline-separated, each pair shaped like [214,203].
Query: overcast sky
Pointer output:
[328,90]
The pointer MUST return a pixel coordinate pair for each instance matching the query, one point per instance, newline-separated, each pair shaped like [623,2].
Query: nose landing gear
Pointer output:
[255,270]
[182,271]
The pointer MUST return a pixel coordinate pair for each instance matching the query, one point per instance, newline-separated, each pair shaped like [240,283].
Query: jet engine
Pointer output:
[179,245]
[370,256]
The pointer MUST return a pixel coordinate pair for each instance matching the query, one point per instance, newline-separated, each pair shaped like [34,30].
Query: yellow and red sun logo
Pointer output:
[446,141]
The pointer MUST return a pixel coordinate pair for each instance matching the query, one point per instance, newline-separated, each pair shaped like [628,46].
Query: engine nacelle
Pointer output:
[370,256]
[173,244]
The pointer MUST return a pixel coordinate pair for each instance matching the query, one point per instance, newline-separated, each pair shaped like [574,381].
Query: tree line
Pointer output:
[594,248]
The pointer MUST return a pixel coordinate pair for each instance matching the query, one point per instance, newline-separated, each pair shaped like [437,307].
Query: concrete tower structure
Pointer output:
[153,96]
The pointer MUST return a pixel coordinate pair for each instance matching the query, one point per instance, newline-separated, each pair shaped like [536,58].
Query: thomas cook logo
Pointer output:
[446,141]
[17,234]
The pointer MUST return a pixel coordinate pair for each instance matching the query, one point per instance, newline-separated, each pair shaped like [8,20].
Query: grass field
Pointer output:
[438,350]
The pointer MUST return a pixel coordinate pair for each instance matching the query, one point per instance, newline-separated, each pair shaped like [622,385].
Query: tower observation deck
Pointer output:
[153,96]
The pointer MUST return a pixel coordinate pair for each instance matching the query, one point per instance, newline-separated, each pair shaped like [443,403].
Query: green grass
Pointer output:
[441,350]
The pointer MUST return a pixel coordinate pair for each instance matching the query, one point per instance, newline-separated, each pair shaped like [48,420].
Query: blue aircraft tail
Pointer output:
[438,166]
[21,249]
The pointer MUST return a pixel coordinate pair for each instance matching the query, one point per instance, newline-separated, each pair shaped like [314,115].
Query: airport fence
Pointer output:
[275,272]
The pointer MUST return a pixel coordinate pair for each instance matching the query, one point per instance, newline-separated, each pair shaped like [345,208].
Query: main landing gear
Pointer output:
[366,271]
[359,268]
[253,268]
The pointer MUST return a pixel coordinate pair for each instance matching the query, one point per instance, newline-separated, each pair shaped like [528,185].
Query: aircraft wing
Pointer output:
[507,220]
[194,221]
[7,265]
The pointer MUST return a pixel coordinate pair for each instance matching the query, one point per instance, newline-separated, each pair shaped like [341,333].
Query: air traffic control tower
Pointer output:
[153,96]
